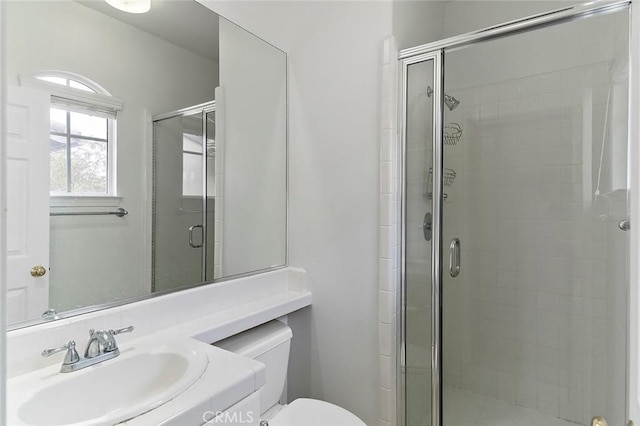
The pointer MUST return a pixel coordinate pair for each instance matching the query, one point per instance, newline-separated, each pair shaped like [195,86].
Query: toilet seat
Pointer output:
[311,412]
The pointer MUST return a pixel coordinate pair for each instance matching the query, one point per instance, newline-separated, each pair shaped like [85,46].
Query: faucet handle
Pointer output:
[70,358]
[111,344]
[121,330]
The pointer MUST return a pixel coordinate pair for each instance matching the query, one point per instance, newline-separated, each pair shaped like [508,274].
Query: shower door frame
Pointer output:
[203,110]
[436,51]
[436,236]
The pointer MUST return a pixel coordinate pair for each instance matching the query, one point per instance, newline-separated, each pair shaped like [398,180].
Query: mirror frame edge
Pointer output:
[130,300]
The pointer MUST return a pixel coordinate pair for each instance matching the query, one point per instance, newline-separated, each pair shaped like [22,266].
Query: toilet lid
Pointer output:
[311,412]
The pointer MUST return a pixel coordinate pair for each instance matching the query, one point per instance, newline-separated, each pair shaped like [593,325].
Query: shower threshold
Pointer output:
[464,408]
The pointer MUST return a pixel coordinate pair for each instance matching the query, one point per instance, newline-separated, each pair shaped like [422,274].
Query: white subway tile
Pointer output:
[548,407]
[387,306]
[386,270]
[387,372]
[509,89]
[387,83]
[387,50]
[551,82]
[489,93]
[571,413]
[388,241]
[386,339]
[386,177]
[386,112]
[387,145]
[526,401]
[386,404]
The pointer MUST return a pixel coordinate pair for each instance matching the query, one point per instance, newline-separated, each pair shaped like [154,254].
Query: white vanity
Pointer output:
[167,372]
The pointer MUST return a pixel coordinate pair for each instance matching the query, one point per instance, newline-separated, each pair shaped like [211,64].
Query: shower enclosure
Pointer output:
[515,212]
[184,198]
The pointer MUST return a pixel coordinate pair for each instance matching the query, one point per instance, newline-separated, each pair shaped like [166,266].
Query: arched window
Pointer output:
[72,80]
[82,134]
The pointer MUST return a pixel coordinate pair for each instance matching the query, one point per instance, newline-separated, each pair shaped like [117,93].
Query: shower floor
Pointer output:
[464,408]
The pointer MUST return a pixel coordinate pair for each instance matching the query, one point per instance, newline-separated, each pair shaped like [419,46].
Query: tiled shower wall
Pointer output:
[533,318]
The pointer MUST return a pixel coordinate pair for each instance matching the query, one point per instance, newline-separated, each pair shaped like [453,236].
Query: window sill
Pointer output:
[84,201]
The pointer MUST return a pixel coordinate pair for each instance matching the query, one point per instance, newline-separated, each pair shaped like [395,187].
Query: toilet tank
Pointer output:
[269,344]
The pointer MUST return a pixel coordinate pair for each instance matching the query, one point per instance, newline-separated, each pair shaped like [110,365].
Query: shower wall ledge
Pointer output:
[208,313]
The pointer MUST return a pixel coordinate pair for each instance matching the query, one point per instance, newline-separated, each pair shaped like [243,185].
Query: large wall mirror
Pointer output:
[146,153]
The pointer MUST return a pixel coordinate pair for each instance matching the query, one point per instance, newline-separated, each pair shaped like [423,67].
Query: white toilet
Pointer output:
[269,344]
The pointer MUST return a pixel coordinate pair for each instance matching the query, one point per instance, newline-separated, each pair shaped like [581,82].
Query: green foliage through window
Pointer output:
[79,153]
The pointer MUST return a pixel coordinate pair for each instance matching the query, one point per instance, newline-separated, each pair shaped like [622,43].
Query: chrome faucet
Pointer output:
[101,346]
[102,342]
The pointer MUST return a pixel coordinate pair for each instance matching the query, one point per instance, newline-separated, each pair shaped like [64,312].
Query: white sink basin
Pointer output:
[142,378]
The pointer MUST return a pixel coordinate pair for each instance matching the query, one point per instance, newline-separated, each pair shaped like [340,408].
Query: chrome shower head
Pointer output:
[451,102]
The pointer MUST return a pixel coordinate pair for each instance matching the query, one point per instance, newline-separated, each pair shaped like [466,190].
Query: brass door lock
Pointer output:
[38,271]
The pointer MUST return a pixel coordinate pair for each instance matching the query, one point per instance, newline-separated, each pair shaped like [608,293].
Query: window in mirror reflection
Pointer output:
[192,165]
[79,150]
[81,141]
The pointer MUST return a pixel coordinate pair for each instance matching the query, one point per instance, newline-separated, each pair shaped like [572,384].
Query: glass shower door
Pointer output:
[535,177]
[178,227]
[418,240]
[213,262]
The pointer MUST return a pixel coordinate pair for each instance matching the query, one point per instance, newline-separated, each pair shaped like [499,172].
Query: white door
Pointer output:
[27,203]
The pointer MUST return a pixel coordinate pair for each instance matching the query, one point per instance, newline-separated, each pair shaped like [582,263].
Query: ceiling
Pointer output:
[185,23]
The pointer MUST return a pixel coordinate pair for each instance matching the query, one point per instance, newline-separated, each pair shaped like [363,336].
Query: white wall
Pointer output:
[334,199]
[334,55]
[96,259]
[417,22]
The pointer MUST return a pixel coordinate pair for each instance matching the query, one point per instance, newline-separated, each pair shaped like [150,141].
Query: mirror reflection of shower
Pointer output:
[450,101]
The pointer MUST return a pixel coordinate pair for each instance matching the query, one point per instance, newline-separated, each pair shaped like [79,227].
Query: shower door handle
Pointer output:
[454,257]
[427,226]
[191,243]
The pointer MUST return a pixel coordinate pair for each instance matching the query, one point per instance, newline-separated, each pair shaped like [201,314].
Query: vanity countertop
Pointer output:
[208,313]
[204,315]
